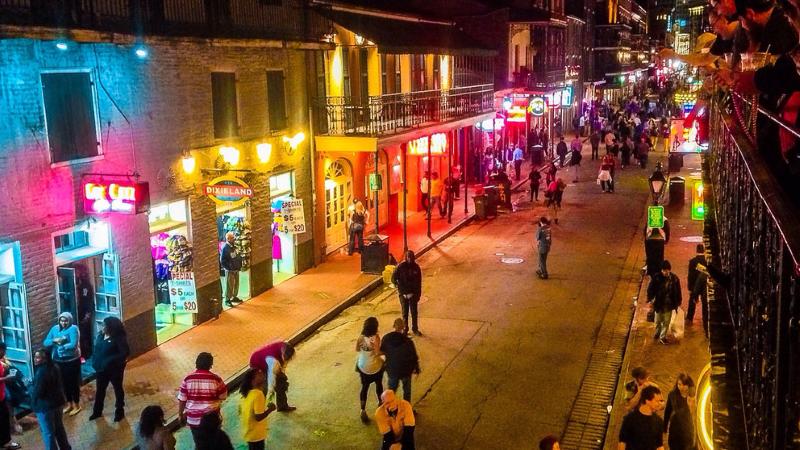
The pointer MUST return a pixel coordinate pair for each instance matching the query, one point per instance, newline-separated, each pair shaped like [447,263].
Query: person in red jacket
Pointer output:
[272,359]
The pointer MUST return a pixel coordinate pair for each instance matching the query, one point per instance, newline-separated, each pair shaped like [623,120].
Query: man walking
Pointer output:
[642,428]
[518,157]
[544,238]
[594,140]
[272,360]
[561,151]
[665,293]
[201,393]
[696,283]
[536,178]
[408,279]
[231,262]
[401,358]
[575,156]
[395,421]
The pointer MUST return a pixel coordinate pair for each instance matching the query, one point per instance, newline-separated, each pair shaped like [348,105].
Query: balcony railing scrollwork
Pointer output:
[392,113]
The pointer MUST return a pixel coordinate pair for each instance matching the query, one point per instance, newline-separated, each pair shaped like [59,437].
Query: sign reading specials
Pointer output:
[537,106]
[437,143]
[228,190]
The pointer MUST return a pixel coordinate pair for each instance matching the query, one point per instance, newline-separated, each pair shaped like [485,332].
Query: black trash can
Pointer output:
[491,200]
[675,162]
[677,190]
[375,255]
[537,155]
[480,205]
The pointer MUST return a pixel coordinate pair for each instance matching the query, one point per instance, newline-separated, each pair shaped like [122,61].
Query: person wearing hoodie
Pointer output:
[64,341]
[401,358]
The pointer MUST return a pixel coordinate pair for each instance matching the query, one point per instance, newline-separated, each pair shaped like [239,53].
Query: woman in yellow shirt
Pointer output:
[252,412]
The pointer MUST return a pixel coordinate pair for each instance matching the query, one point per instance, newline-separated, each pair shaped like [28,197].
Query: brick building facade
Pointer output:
[151,114]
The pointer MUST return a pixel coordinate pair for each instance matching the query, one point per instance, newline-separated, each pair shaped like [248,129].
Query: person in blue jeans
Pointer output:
[47,399]
[402,360]
[544,238]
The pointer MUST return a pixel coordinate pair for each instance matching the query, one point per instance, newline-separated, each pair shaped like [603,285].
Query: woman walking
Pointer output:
[254,409]
[678,417]
[152,434]
[110,356]
[64,340]
[47,399]
[369,364]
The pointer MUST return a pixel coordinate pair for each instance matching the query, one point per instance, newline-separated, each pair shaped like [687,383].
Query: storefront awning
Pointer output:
[346,144]
[407,36]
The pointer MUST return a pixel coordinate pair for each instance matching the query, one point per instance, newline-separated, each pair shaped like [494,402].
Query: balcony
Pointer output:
[753,227]
[389,114]
[248,19]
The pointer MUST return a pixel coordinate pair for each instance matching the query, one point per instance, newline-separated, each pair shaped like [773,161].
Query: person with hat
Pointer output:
[395,421]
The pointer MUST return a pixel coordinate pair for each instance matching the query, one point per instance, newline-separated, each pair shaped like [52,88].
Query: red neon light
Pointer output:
[124,197]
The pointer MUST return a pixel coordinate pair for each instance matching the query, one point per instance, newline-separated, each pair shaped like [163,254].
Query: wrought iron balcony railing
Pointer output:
[266,19]
[756,230]
[393,113]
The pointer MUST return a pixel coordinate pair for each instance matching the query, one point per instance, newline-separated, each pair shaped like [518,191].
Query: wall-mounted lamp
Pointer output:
[294,141]
[62,45]
[188,162]
[141,51]
[230,155]
[264,151]
[359,39]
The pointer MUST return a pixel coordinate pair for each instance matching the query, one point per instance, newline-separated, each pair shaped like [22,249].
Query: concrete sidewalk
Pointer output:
[292,310]
[688,355]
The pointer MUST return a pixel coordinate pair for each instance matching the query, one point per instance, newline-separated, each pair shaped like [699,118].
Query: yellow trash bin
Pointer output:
[387,273]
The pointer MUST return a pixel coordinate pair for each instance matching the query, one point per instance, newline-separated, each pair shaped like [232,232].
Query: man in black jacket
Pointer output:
[696,283]
[665,293]
[401,358]
[231,262]
[408,279]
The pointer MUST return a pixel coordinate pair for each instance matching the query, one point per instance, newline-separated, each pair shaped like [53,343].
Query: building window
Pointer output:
[70,116]
[225,108]
[276,100]
[346,72]
[363,79]
[418,73]
[70,241]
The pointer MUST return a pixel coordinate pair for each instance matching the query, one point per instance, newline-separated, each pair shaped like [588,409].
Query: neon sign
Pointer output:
[537,106]
[228,190]
[123,197]
[437,143]
[516,114]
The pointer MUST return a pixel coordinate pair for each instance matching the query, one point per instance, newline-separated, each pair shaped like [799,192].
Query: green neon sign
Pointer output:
[698,206]
[655,217]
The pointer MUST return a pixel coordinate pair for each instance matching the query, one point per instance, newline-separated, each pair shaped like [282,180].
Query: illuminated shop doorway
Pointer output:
[171,250]
[237,221]
[338,197]
[281,188]
[87,274]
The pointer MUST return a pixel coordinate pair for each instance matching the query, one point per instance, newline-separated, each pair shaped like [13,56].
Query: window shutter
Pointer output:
[276,100]
[70,115]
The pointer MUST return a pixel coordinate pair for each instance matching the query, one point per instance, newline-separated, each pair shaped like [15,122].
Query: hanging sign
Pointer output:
[294,220]
[375,182]
[516,114]
[102,196]
[437,143]
[655,217]
[537,106]
[566,96]
[228,190]
[182,292]
[698,205]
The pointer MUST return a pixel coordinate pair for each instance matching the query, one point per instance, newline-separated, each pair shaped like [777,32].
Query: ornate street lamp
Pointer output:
[657,183]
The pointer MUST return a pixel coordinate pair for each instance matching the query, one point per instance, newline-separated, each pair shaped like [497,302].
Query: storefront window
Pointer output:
[172,252]
[237,221]
[281,188]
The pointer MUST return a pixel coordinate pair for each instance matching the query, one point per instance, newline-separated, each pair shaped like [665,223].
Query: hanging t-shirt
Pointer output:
[255,403]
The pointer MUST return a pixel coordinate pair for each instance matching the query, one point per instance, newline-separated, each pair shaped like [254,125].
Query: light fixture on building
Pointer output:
[188,162]
[141,51]
[359,39]
[264,151]
[61,45]
[294,141]
[330,36]
[230,155]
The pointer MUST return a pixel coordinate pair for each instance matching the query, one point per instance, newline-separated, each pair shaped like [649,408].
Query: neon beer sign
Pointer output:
[122,197]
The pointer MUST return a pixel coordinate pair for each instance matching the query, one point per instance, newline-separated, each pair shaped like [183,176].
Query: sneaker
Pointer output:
[236,300]
[95,415]
[364,417]
[67,410]
[75,411]
[12,446]
[118,416]
[663,341]
[417,333]
[229,304]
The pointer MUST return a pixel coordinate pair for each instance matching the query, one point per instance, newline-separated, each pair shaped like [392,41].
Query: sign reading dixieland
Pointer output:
[228,190]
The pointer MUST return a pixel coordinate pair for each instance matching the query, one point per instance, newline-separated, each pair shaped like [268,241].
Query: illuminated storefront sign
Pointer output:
[102,196]
[537,106]
[566,96]
[698,205]
[516,114]
[487,125]
[228,190]
[437,143]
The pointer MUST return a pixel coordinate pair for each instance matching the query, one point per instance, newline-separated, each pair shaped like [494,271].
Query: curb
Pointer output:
[304,333]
